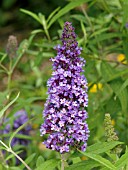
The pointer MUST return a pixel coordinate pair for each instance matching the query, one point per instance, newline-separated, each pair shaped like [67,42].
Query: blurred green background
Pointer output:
[101,26]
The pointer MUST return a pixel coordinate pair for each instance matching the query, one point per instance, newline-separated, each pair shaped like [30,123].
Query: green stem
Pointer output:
[64,157]
[4,68]
[9,76]
[9,81]
[10,150]
[62,162]
[15,64]
[20,159]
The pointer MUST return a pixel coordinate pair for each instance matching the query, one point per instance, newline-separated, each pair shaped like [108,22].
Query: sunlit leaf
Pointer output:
[99,159]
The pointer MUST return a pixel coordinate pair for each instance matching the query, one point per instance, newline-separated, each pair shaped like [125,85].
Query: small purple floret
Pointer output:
[64,113]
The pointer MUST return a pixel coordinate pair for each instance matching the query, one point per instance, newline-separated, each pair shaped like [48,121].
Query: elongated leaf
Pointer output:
[122,161]
[28,160]
[48,165]
[89,164]
[42,20]
[123,96]
[125,12]
[66,9]
[125,20]
[21,136]
[109,73]
[33,15]
[102,147]
[125,46]
[118,74]
[99,32]
[105,36]
[79,17]
[3,57]
[17,130]
[6,107]
[124,85]
[84,32]
[11,155]
[101,160]
[37,31]
[52,14]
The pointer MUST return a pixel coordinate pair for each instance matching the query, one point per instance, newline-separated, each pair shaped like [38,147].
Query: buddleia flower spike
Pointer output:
[65,109]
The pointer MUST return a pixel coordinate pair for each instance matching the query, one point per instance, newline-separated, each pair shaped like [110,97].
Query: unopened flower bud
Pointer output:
[12,46]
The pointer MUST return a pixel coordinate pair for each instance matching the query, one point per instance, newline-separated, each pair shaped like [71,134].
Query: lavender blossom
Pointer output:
[20,118]
[64,113]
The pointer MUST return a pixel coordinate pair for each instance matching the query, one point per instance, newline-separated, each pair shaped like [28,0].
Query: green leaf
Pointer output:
[28,160]
[123,96]
[99,159]
[52,14]
[66,9]
[109,74]
[125,45]
[17,130]
[12,155]
[105,36]
[102,147]
[99,32]
[79,17]
[37,31]
[48,165]
[6,107]
[89,164]
[3,57]
[42,20]
[122,161]
[21,136]
[107,71]
[39,161]
[124,85]
[125,12]
[33,15]
[84,32]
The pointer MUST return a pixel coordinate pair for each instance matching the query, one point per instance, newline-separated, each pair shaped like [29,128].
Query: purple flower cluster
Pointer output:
[64,113]
[20,118]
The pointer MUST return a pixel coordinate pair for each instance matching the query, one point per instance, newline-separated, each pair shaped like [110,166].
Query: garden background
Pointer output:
[102,31]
